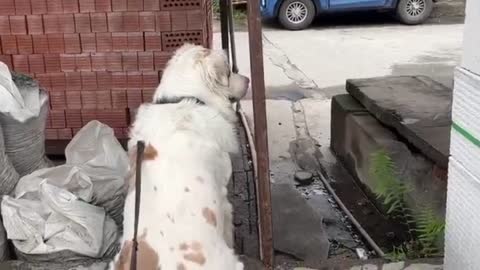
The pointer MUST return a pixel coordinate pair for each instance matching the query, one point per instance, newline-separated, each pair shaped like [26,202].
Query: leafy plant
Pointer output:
[424,228]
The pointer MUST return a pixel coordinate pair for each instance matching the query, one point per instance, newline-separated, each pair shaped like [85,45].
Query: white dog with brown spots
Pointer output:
[185,217]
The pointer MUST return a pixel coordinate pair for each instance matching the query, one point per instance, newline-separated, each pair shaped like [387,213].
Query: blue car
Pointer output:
[299,14]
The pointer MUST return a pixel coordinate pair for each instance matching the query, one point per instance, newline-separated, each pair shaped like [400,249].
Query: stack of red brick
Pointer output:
[98,59]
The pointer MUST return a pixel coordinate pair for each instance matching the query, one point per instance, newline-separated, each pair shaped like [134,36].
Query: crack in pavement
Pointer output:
[281,60]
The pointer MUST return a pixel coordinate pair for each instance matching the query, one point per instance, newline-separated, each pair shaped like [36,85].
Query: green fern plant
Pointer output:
[424,228]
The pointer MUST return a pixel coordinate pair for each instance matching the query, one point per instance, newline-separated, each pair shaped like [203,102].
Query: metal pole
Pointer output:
[261,138]
[224,25]
[231,29]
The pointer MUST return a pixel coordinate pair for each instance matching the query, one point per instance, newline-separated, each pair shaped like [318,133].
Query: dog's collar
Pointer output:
[174,100]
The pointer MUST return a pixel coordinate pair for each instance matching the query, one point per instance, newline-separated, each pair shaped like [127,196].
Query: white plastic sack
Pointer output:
[23,116]
[63,208]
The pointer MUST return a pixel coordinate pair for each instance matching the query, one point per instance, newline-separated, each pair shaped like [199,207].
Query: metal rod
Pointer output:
[260,133]
[224,25]
[352,219]
[231,28]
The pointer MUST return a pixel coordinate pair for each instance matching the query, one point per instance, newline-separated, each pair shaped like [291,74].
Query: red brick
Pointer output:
[135,5]
[104,42]
[104,100]
[58,81]
[51,23]
[72,43]
[8,7]
[99,62]
[87,6]
[54,6]
[38,6]
[64,133]
[7,60]
[135,42]
[51,134]
[82,23]
[195,20]
[74,101]
[161,59]
[83,62]
[35,24]
[150,79]
[52,63]
[119,5]
[36,62]
[134,98]
[4,25]
[130,61]
[67,23]
[57,100]
[23,7]
[147,94]
[89,101]
[114,62]
[179,20]
[88,42]
[74,117]
[121,133]
[67,62]
[145,61]
[163,22]
[89,115]
[113,118]
[25,45]
[131,21]
[20,63]
[120,42]
[56,44]
[18,25]
[73,81]
[115,22]
[104,80]
[70,6]
[9,45]
[119,80]
[153,41]
[99,22]
[119,99]
[103,5]
[89,81]
[134,80]
[44,80]
[40,43]
[147,21]
[57,118]
[151,5]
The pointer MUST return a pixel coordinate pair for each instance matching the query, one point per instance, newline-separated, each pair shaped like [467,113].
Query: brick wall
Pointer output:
[98,59]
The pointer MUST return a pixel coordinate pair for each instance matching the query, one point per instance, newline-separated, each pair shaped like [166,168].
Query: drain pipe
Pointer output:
[352,219]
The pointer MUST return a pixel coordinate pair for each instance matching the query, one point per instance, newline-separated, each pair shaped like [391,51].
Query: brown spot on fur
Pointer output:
[196,257]
[209,215]
[150,153]
[200,179]
[196,246]
[181,266]
[183,246]
[123,262]
[147,257]
[187,189]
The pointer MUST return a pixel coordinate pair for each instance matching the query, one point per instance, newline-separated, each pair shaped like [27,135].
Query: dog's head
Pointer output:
[201,73]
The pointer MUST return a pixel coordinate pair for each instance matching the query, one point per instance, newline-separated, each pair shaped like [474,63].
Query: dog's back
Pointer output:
[185,217]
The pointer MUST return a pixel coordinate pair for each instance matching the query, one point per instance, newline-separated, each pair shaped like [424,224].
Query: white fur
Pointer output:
[193,142]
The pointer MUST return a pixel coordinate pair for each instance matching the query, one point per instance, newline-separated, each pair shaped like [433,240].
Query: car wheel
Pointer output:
[414,11]
[296,14]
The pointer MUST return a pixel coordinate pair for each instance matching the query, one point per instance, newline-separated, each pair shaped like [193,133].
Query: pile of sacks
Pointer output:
[56,215]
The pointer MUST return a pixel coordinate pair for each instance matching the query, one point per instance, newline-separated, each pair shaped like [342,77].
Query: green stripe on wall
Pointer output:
[466,134]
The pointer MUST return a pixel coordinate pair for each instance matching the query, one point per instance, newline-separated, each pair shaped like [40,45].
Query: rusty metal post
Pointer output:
[261,138]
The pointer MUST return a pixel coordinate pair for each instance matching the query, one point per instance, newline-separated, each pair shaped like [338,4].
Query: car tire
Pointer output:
[296,14]
[413,12]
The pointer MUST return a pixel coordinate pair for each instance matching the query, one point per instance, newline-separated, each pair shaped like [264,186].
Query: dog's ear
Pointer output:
[215,71]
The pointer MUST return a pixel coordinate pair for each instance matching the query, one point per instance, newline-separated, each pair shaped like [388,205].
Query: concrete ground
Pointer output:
[303,70]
